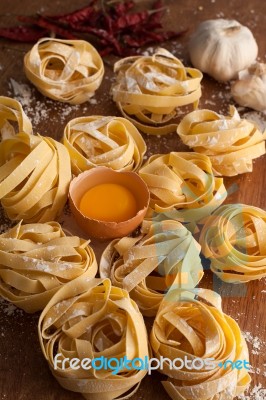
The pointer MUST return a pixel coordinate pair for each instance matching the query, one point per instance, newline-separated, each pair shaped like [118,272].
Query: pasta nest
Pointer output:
[149,89]
[192,326]
[37,259]
[90,319]
[234,238]
[69,71]
[165,254]
[182,186]
[12,111]
[112,142]
[232,143]
[35,174]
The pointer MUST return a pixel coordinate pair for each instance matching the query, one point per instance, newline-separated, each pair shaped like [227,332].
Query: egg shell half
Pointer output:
[99,175]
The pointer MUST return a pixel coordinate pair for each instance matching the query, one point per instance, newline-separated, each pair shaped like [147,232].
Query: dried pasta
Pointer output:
[11,110]
[37,259]
[69,71]
[35,174]
[234,238]
[182,186]
[146,266]
[196,329]
[89,319]
[149,89]
[103,141]
[232,143]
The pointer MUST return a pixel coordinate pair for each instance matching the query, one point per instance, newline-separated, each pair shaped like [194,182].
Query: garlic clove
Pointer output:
[250,88]
[222,48]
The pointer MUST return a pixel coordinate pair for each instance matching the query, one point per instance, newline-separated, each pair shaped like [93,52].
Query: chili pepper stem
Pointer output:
[150,12]
[109,3]
[103,6]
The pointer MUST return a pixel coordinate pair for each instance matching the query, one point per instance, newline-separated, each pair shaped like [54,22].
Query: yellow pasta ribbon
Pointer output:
[37,259]
[146,266]
[65,70]
[95,141]
[89,318]
[192,329]
[234,238]
[182,187]
[11,110]
[232,143]
[149,89]
[35,174]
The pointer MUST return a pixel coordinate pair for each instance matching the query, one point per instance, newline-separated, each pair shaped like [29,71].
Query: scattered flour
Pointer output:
[256,393]
[257,118]
[9,308]
[255,342]
[43,267]
[37,110]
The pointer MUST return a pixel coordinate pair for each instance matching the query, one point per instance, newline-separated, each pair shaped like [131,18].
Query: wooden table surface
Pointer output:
[24,374]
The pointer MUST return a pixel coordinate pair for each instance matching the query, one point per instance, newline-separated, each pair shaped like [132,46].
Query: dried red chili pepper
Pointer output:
[156,17]
[117,30]
[132,19]
[49,26]
[22,33]
[148,26]
[131,41]
[106,51]
[103,34]
[108,23]
[52,27]
[146,37]
[78,16]
[122,8]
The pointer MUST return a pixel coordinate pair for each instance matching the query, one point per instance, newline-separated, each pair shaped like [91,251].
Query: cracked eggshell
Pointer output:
[96,176]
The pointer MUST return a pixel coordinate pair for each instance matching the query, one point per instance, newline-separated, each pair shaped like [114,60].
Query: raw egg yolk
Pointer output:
[108,202]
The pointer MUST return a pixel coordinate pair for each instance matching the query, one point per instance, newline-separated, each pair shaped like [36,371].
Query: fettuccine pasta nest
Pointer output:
[149,89]
[182,186]
[35,174]
[231,143]
[234,238]
[89,318]
[112,142]
[147,265]
[69,71]
[37,259]
[198,330]
[12,111]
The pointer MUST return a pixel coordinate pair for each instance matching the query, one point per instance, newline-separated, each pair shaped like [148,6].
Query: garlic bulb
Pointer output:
[222,48]
[250,88]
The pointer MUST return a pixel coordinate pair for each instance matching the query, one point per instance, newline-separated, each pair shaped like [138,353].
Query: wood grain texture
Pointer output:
[24,374]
